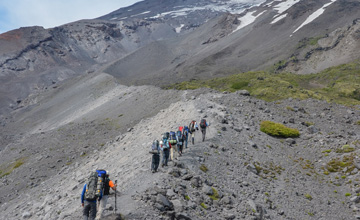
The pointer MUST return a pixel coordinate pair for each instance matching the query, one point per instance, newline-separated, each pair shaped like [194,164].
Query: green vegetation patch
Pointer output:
[338,164]
[7,169]
[215,195]
[278,130]
[338,84]
[203,205]
[345,149]
[203,168]
[308,196]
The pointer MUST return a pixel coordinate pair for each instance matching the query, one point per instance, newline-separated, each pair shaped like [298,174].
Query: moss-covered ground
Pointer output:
[340,84]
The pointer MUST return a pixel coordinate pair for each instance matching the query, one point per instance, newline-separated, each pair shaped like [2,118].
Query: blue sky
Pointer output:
[51,13]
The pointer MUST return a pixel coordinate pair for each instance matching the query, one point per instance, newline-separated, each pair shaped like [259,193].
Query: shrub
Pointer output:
[278,130]
[308,196]
[203,168]
[215,195]
[203,205]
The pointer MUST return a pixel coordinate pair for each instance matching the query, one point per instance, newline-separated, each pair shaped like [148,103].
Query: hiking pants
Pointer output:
[89,212]
[155,162]
[180,148]
[165,157]
[193,137]
[102,206]
[203,131]
[186,141]
[172,153]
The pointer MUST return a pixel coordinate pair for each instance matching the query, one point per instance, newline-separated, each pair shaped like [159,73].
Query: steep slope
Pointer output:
[34,58]
[253,40]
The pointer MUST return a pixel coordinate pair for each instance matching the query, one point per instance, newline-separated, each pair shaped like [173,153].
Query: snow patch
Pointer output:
[247,19]
[233,7]
[113,18]
[278,18]
[143,13]
[178,29]
[281,8]
[314,15]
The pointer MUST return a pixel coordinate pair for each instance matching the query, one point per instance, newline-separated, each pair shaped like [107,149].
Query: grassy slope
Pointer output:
[340,84]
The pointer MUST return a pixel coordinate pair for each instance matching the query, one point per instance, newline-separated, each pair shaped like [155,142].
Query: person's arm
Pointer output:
[112,185]
[83,195]
[196,126]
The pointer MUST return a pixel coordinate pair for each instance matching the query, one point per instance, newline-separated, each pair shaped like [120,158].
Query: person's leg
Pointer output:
[172,152]
[203,131]
[163,158]
[193,138]
[166,157]
[157,161]
[153,162]
[86,210]
[102,206]
[92,211]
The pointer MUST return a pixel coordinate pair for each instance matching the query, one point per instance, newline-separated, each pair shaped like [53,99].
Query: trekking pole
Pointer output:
[115,196]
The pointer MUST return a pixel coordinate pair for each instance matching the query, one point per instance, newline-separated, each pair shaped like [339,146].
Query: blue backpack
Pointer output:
[186,131]
[172,138]
[179,135]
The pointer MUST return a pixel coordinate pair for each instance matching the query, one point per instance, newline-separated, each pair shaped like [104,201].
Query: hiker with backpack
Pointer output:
[193,127]
[155,151]
[179,141]
[185,135]
[203,126]
[165,148]
[90,194]
[106,190]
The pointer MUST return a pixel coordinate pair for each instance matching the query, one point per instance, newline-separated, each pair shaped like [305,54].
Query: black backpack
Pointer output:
[91,187]
[166,135]
[203,123]
[192,126]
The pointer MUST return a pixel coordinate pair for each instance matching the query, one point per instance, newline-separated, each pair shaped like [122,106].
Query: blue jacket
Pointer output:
[83,195]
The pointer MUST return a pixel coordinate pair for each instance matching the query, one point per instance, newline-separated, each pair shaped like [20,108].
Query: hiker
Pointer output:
[179,141]
[165,148]
[89,195]
[185,135]
[172,141]
[193,127]
[107,185]
[155,151]
[203,126]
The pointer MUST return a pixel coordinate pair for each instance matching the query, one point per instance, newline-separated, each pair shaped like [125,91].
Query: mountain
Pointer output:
[87,95]
[274,32]
[34,59]
[191,39]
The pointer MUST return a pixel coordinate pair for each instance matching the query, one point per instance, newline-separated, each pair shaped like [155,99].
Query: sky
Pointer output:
[51,13]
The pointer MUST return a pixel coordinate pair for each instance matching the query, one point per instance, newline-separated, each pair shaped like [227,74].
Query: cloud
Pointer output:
[46,13]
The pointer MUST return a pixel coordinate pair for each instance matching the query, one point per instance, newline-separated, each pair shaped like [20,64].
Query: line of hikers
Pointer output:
[98,184]
[172,143]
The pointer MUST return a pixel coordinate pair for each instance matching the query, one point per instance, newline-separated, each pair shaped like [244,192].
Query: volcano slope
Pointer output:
[239,172]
